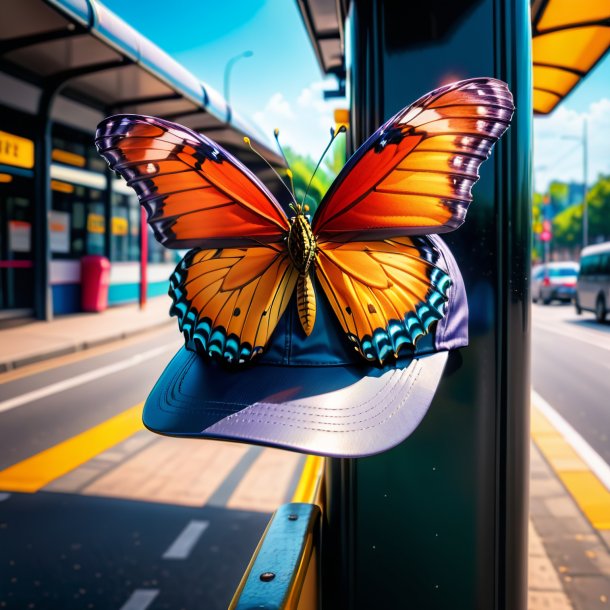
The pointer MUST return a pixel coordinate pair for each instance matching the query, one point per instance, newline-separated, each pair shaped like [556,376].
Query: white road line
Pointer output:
[4,496]
[61,386]
[590,340]
[183,545]
[595,461]
[140,599]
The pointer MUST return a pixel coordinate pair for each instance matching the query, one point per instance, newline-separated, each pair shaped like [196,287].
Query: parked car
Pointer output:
[554,282]
[593,285]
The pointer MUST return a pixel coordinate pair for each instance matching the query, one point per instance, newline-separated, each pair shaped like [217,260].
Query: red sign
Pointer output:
[546,236]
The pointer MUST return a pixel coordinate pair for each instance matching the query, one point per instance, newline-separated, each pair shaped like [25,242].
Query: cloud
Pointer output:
[279,106]
[558,148]
[303,120]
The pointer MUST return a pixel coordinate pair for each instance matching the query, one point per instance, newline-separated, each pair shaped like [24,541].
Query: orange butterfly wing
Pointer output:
[229,301]
[195,193]
[385,294]
[414,175]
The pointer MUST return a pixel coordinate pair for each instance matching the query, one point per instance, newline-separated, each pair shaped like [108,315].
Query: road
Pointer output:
[97,512]
[571,370]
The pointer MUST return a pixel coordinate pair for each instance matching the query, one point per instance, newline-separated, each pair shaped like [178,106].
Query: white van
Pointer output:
[593,284]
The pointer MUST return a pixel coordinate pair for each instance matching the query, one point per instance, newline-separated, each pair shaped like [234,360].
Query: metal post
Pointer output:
[143,258]
[43,302]
[585,208]
[108,215]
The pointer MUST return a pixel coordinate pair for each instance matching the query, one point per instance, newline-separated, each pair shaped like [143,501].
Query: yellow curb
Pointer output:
[587,490]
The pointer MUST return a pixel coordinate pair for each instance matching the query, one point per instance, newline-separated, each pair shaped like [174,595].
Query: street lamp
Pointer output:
[585,207]
[227,78]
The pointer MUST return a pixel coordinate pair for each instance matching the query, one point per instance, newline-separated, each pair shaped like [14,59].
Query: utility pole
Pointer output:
[585,207]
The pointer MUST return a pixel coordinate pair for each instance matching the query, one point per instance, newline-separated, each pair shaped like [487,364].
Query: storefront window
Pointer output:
[76,221]
[125,228]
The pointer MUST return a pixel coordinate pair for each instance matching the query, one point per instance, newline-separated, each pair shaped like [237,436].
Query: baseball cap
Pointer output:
[312,394]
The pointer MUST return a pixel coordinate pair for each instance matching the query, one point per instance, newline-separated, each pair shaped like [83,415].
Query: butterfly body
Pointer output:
[365,245]
[302,248]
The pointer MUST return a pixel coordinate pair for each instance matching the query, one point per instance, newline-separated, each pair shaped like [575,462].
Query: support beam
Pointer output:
[43,303]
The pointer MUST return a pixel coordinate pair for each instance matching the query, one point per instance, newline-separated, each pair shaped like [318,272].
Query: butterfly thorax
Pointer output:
[301,243]
[302,249]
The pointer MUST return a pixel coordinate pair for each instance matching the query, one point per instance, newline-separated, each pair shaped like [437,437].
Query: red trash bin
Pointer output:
[95,279]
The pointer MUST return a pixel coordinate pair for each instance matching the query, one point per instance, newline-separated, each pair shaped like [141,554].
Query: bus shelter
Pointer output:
[65,65]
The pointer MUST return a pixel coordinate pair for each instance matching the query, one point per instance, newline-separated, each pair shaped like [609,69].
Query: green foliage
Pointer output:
[567,224]
[303,168]
[559,192]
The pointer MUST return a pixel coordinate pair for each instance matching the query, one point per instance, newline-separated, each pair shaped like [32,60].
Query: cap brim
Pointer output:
[340,411]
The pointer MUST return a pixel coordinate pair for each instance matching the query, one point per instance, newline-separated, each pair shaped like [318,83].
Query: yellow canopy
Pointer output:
[569,38]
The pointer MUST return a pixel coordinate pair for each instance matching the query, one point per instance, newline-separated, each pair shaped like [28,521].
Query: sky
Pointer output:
[558,150]
[279,86]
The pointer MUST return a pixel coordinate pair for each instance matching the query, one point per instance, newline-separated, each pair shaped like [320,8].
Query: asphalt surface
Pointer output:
[76,550]
[571,370]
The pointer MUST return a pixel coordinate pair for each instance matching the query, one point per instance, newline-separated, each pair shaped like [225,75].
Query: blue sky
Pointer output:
[279,86]
[559,158]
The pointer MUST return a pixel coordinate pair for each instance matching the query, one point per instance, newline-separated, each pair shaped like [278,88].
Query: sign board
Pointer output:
[59,231]
[16,151]
[120,225]
[19,236]
[95,223]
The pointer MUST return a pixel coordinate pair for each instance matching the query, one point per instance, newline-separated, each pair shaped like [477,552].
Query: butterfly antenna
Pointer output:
[333,134]
[247,141]
[276,133]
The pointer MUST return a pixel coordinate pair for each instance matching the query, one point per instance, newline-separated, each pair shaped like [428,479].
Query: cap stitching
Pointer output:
[232,418]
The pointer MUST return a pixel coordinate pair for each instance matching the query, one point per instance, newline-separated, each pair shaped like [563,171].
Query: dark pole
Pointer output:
[43,303]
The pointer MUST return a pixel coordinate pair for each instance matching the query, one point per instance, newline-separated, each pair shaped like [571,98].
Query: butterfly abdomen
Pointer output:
[306,302]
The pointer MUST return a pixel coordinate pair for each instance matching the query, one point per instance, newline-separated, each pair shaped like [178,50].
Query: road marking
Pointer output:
[35,472]
[225,490]
[67,384]
[589,340]
[581,469]
[183,545]
[140,599]
[4,496]
[84,354]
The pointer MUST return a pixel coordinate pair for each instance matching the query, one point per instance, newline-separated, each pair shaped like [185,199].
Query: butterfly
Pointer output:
[248,258]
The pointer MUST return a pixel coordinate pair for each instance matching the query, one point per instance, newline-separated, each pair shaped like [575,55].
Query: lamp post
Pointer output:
[227,78]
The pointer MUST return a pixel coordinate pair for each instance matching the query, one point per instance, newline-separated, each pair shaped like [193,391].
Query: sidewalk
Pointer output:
[569,536]
[35,341]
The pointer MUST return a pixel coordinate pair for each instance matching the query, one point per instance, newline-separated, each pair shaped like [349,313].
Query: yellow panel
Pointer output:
[554,79]
[544,102]
[559,13]
[578,48]
[63,156]
[15,150]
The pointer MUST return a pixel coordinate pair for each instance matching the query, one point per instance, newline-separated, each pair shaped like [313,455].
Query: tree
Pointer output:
[303,169]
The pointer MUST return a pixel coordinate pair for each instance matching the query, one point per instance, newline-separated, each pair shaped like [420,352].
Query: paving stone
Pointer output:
[547,600]
[589,592]
[542,575]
